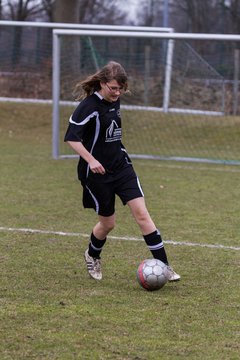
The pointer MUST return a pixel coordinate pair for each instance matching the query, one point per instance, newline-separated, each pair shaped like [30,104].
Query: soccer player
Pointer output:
[105,169]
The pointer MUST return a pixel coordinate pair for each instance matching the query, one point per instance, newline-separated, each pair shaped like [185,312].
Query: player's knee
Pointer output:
[142,216]
[108,225]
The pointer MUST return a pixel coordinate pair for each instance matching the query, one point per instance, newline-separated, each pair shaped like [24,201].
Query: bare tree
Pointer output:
[75,11]
[150,13]
[1,13]
[233,8]
[66,11]
[206,16]
[195,16]
[26,10]
[103,12]
[22,10]
[47,6]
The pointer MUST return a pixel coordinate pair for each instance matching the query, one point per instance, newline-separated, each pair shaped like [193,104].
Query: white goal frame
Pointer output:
[171,36]
[110,31]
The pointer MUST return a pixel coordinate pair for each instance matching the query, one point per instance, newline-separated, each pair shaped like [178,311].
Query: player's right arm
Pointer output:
[94,164]
[82,121]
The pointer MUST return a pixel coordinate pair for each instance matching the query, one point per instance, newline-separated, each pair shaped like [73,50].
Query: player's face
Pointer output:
[111,90]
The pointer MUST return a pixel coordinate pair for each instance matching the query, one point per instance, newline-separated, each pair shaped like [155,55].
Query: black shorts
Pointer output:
[101,195]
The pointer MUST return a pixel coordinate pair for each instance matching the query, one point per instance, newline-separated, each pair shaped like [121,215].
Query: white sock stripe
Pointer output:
[95,248]
[156,247]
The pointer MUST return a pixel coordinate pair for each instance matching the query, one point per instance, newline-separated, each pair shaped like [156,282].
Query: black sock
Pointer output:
[155,245]
[95,246]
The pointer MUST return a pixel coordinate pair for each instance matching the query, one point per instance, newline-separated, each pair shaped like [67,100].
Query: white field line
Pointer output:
[171,242]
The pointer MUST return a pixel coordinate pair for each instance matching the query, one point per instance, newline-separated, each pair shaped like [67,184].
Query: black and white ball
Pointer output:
[152,274]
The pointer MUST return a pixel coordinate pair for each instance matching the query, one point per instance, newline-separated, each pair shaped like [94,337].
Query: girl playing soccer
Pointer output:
[104,167]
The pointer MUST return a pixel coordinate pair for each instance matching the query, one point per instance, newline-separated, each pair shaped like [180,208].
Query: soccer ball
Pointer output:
[152,274]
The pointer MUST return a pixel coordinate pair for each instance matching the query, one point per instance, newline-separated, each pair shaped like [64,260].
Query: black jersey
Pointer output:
[97,124]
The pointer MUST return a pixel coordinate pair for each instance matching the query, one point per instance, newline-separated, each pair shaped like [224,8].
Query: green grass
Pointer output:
[49,307]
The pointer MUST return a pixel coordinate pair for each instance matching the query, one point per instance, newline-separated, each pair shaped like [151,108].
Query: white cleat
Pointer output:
[173,276]
[93,266]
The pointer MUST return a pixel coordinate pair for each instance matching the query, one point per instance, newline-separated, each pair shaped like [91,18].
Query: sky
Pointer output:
[130,6]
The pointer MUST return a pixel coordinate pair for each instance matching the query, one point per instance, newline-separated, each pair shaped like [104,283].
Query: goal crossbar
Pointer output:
[150,34]
[56,25]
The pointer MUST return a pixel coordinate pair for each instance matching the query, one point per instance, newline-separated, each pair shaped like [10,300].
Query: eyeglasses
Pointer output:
[115,88]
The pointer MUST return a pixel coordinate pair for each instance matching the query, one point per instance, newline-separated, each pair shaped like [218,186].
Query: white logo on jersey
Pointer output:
[113,133]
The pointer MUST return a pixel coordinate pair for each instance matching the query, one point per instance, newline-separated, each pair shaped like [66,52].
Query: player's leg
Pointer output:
[97,241]
[150,233]
[131,193]
[99,234]
[102,199]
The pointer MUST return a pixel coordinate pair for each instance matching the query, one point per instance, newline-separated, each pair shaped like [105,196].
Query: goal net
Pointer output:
[178,106]
[184,100]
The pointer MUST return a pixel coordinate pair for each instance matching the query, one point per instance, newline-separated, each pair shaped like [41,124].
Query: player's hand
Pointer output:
[96,167]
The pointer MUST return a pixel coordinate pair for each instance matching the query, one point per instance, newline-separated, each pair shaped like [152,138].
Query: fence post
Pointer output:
[168,74]
[235,81]
[55,95]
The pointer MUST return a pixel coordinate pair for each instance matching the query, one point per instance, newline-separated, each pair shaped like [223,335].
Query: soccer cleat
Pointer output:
[172,275]
[93,266]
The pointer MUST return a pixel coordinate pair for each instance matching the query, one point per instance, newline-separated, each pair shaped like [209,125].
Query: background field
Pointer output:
[50,309]
[215,138]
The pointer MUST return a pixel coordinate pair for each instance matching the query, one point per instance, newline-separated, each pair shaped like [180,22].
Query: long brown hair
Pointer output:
[111,71]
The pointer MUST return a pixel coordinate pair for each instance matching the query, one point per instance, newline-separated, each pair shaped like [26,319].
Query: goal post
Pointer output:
[203,88]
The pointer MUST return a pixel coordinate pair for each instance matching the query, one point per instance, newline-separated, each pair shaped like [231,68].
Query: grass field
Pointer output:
[50,308]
